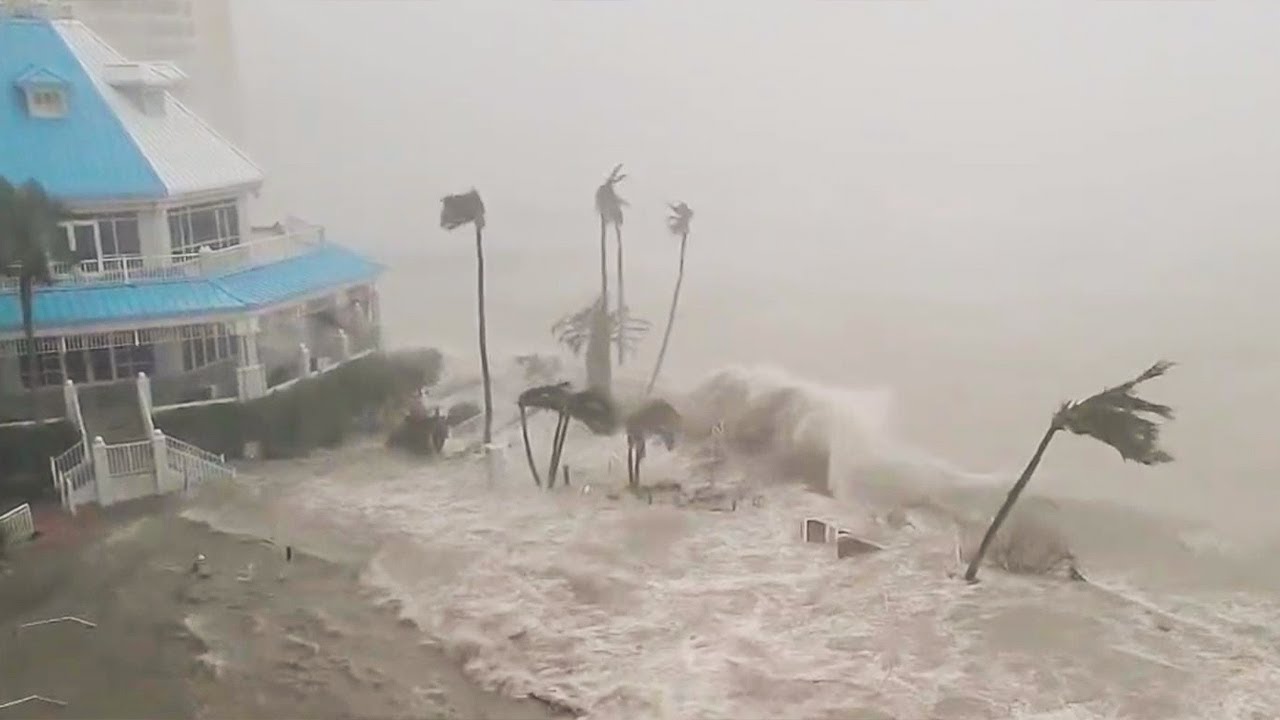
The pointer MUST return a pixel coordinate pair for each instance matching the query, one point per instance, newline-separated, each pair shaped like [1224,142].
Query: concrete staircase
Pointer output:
[113,412]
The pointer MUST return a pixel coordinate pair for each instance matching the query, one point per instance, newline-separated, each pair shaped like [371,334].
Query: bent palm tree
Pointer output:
[609,207]
[655,418]
[456,211]
[1115,416]
[678,224]
[589,407]
[28,224]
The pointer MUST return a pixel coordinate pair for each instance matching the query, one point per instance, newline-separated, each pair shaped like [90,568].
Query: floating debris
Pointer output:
[32,698]
[65,618]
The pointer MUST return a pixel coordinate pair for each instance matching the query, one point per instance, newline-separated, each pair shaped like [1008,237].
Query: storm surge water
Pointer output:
[705,603]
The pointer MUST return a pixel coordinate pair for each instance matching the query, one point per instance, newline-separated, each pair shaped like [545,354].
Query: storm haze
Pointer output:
[981,208]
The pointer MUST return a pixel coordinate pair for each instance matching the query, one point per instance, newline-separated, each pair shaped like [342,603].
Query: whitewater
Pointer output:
[706,603]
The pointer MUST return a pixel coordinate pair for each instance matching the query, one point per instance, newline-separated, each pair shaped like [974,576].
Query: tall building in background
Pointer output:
[194,34]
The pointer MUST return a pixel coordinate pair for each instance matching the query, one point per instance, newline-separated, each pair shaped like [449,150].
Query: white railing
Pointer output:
[186,448]
[133,458]
[194,465]
[17,524]
[268,248]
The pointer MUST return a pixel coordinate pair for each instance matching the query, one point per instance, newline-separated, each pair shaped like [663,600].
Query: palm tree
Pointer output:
[609,205]
[28,225]
[1115,416]
[678,224]
[456,211]
[654,418]
[591,407]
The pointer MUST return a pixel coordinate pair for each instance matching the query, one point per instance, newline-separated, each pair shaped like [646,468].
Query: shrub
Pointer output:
[24,458]
[318,411]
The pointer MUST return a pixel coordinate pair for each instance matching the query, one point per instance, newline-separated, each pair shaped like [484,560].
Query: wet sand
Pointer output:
[251,635]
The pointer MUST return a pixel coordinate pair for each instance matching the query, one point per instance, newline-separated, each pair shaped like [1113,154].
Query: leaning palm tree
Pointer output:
[456,211]
[1117,417]
[656,418]
[609,206]
[28,224]
[678,224]
[590,407]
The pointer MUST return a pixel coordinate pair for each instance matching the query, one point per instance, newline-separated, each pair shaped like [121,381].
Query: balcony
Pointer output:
[265,246]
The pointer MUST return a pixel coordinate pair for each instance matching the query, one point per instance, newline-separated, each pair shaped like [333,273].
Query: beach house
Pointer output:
[165,292]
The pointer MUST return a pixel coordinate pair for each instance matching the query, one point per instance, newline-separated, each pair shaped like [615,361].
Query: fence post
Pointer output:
[160,452]
[101,471]
[144,402]
[304,359]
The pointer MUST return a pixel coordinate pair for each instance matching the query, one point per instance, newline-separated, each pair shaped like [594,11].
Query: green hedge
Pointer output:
[24,458]
[319,411]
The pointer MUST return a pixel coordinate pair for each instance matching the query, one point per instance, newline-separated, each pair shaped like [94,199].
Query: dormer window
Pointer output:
[49,103]
[46,92]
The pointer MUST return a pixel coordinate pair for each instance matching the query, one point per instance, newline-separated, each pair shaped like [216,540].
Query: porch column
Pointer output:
[251,376]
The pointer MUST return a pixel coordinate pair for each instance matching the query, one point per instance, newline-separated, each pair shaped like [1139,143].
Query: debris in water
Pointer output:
[32,698]
[847,545]
[815,531]
[64,618]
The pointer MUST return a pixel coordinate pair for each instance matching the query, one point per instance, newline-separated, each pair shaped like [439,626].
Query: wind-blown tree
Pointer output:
[28,225]
[456,211]
[590,407]
[1115,416]
[656,418]
[609,206]
[678,223]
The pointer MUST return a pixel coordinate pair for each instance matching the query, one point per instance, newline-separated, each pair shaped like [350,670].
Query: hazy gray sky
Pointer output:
[1059,135]
[985,205]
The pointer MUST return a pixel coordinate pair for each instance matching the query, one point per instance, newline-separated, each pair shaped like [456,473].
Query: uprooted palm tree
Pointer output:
[1117,417]
[576,330]
[609,205]
[456,211]
[28,225]
[678,223]
[656,418]
[590,407]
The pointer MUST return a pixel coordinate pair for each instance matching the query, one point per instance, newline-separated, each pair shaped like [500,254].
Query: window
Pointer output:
[46,102]
[48,369]
[93,240]
[214,225]
[207,344]
[133,359]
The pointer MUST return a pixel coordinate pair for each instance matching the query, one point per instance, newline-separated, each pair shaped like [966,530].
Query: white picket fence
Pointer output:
[17,524]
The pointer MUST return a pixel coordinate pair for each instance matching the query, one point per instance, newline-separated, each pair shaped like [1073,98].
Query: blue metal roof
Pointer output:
[69,306]
[86,154]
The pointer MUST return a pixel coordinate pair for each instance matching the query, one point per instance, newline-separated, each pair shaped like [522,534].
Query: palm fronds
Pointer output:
[608,203]
[1121,419]
[574,330]
[591,407]
[680,218]
[462,209]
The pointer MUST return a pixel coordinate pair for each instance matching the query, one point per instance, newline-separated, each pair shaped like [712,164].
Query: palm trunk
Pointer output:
[671,316]
[599,369]
[484,341]
[622,300]
[972,573]
[26,297]
[557,445]
[528,449]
